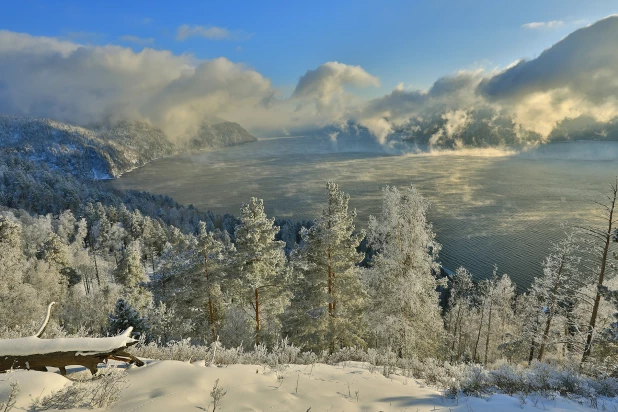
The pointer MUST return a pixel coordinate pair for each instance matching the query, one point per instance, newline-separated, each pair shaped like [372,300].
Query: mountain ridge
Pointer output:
[105,151]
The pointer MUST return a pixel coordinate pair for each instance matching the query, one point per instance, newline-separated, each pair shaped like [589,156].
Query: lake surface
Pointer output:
[488,207]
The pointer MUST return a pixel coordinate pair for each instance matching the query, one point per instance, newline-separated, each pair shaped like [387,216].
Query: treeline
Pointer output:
[246,281]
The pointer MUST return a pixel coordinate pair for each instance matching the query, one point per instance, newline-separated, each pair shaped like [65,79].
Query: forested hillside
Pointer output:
[104,151]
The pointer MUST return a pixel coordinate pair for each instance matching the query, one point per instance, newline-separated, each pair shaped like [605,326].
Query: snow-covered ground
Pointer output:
[178,386]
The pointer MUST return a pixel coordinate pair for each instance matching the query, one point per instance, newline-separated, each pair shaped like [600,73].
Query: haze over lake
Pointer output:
[488,206]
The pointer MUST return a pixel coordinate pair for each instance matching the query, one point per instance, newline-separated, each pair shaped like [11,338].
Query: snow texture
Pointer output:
[178,386]
[83,346]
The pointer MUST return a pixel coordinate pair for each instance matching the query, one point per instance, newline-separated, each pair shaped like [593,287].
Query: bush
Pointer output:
[100,391]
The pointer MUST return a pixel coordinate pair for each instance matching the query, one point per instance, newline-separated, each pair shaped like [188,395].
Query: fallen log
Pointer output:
[34,353]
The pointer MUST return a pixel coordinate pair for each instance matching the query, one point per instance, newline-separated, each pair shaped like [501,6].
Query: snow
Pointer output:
[178,386]
[84,346]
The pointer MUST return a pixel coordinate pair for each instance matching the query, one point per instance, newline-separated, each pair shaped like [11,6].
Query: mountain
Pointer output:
[104,151]
[219,135]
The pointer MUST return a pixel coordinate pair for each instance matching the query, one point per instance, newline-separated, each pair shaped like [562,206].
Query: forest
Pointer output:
[113,259]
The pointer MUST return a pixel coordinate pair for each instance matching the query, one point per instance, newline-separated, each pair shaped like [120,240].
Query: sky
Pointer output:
[413,42]
[364,49]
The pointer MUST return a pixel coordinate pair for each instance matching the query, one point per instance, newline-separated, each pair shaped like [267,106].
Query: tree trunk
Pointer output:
[597,300]
[478,337]
[533,343]
[94,257]
[488,329]
[257,316]
[457,320]
[211,311]
[331,305]
[550,315]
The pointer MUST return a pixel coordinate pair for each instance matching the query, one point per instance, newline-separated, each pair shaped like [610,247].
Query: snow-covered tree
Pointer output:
[131,274]
[559,283]
[126,315]
[404,311]
[328,303]
[601,241]
[461,291]
[18,300]
[261,278]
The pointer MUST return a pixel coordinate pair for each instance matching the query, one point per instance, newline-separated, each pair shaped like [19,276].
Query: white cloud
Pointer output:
[543,24]
[66,81]
[325,86]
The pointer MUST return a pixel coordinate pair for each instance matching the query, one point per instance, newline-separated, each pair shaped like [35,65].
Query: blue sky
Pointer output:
[413,42]
[295,67]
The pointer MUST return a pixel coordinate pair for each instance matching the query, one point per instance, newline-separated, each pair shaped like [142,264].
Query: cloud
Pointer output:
[382,115]
[543,24]
[70,82]
[209,32]
[325,86]
[142,41]
[576,76]
[530,99]
[570,88]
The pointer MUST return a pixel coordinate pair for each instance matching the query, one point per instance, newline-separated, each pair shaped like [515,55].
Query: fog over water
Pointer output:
[488,206]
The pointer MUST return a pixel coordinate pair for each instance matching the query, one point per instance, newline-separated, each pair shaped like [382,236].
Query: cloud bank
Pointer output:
[569,90]
[577,78]
[543,24]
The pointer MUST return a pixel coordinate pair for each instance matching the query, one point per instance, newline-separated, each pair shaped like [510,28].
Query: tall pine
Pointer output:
[404,312]
[261,276]
[328,303]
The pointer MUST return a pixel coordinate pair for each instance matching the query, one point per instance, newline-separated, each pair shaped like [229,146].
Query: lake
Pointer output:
[488,206]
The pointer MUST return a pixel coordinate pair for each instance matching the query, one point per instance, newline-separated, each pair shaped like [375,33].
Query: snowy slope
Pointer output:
[177,386]
[103,151]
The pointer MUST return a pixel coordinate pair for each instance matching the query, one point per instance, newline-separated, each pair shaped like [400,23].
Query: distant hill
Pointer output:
[219,135]
[104,151]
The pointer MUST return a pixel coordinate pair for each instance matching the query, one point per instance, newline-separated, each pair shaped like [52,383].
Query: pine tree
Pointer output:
[329,298]
[211,276]
[125,315]
[404,310]
[260,269]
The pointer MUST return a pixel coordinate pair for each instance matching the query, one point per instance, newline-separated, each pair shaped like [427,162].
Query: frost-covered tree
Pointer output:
[461,291]
[559,283]
[208,277]
[131,274]
[18,300]
[261,278]
[404,310]
[126,315]
[601,240]
[327,308]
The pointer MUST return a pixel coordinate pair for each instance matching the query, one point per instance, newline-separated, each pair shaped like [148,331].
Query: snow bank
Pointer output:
[179,386]
[32,384]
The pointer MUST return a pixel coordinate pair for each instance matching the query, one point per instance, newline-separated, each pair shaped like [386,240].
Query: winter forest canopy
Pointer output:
[115,259]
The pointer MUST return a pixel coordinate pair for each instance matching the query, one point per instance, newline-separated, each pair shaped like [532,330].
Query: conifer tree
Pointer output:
[327,308]
[131,274]
[260,269]
[404,312]
[125,315]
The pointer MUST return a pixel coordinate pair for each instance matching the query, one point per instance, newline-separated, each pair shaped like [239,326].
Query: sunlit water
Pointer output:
[487,207]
